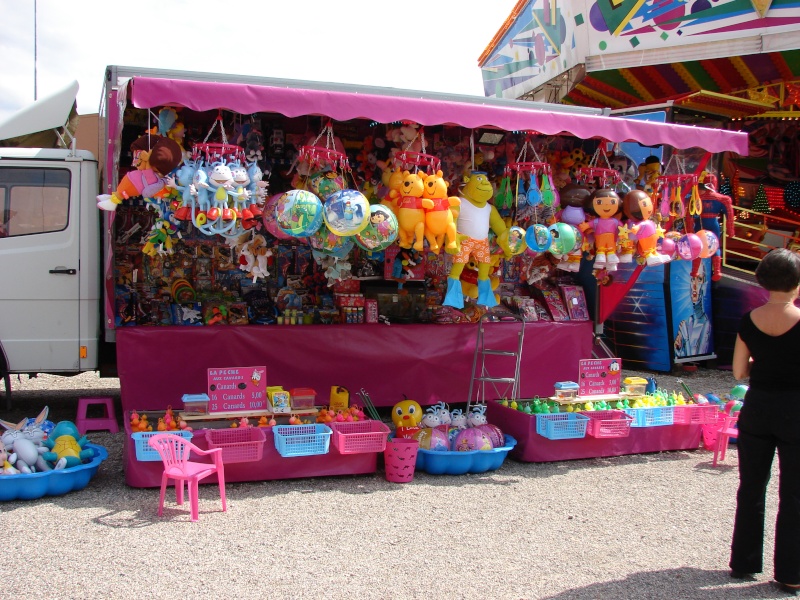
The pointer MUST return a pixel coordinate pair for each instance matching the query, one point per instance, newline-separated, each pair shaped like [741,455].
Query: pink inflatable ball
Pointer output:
[432,439]
[710,243]
[325,183]
[494,433]
[668,246]
[689,246]
[270,220]
[472,439]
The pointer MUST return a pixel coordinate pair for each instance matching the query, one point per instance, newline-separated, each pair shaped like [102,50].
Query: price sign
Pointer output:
[237,389]
[599,376]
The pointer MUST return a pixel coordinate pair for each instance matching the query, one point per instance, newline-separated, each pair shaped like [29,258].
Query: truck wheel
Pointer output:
[7,379]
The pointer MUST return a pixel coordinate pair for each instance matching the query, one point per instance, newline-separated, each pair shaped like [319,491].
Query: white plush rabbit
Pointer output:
[24,442]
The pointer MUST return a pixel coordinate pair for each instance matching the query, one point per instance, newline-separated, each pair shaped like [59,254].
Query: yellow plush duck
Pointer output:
[476,218]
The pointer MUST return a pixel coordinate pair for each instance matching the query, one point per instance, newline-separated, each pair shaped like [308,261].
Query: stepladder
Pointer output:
[497,359]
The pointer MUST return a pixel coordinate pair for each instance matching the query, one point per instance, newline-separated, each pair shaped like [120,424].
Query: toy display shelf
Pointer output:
[592,399]
[249,414]
[532,447]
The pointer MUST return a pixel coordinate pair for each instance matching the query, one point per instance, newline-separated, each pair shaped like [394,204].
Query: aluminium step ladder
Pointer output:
[500,375]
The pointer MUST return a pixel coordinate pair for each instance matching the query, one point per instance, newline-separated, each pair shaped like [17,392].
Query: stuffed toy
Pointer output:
[649,171]
[469,278]
[641,229]
[155,157]
[604,204]
[392,182]
[476,218]
[573,199]
[439,221]
[714,206]
[410,211]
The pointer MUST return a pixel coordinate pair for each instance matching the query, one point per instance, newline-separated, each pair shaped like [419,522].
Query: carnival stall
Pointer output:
[354,237]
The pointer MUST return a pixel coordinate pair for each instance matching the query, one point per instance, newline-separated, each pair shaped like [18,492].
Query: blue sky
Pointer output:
[430,45]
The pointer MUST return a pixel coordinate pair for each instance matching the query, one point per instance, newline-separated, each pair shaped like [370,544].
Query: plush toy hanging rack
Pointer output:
[407,159]
[606,176]
[671,188]
[327,156]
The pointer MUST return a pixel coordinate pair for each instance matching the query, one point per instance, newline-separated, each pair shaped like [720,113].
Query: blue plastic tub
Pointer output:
[29,486]
[458,463]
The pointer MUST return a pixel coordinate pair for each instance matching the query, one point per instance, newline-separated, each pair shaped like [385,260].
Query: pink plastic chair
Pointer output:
[174,451]
[726,431]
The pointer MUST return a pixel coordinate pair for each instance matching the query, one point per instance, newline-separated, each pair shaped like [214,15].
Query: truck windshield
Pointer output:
[33,201]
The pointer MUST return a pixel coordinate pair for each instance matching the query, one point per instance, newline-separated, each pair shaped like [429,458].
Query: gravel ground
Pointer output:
[639,526]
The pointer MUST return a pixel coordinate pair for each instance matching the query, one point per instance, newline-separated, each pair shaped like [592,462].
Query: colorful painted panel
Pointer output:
[692,329]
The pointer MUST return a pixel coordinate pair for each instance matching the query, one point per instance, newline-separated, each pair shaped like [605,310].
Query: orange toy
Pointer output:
[439,220]
[410,211]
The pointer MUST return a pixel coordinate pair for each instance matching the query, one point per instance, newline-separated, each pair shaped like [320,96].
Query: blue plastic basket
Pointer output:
[144,452]
[562,426]
[302,440]
[651,416]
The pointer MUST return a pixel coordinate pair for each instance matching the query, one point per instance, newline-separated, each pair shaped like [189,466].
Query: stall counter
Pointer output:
[428,363]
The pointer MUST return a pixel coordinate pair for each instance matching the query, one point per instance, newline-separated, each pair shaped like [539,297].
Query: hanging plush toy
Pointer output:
[440,225]
[154,157]
[605,204]
[410,211]
[643,231]
[476,218]
[715,205]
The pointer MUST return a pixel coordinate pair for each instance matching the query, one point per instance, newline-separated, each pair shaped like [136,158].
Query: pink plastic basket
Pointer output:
[400,459]
[608,423]
[239,444]
[696,414]
[358,437]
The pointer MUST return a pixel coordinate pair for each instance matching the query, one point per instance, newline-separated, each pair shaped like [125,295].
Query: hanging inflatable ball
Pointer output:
[324,240]
[710,243]
[538,238]
[516,240]
[689,246]
[471,439]
[325,183]
[432,439]
[668,246]
[565,237]
[298,213]
[347,212]
[381,230]
[269,218]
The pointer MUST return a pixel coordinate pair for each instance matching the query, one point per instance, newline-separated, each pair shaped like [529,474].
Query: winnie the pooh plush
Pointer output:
[439,220]
[476,218]
[410,211]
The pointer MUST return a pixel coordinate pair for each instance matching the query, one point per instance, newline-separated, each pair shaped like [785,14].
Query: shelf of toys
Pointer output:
[567,426]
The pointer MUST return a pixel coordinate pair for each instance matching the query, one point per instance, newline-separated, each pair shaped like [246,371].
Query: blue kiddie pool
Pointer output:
[29,486]
[459,462]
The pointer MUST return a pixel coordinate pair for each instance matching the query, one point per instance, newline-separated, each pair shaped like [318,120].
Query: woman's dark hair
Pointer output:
[779,271]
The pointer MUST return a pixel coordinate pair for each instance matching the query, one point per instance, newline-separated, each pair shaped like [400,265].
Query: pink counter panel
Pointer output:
[429,363]
[532,447]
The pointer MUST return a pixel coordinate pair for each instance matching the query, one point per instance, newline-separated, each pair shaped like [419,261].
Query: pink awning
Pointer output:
[386,106]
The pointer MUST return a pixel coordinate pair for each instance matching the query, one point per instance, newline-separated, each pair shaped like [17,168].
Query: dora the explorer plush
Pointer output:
[475,219]
[154,157]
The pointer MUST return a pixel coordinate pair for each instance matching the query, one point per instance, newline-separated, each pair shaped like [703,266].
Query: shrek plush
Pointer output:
[476,218]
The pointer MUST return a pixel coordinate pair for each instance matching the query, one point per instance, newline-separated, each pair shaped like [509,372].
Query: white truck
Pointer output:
[57,305]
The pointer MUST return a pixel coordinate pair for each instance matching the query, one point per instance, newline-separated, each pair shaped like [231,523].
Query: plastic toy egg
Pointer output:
[471,439]
[298,213]
[433,439]
[516,240]
[538,237]
[324,240]
[494,433]
[689,246]
[325,183]
[380,232]
[709,241]
[270,218]
[347,212]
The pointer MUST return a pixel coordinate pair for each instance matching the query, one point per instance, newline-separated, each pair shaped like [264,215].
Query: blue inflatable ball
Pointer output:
[538,237]
[298,213]
[347,212]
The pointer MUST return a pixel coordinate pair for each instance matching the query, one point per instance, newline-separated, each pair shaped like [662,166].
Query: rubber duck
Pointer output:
[162,426]
[134,419]
[262,422]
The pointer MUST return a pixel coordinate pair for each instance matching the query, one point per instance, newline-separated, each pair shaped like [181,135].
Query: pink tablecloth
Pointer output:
[428,363]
